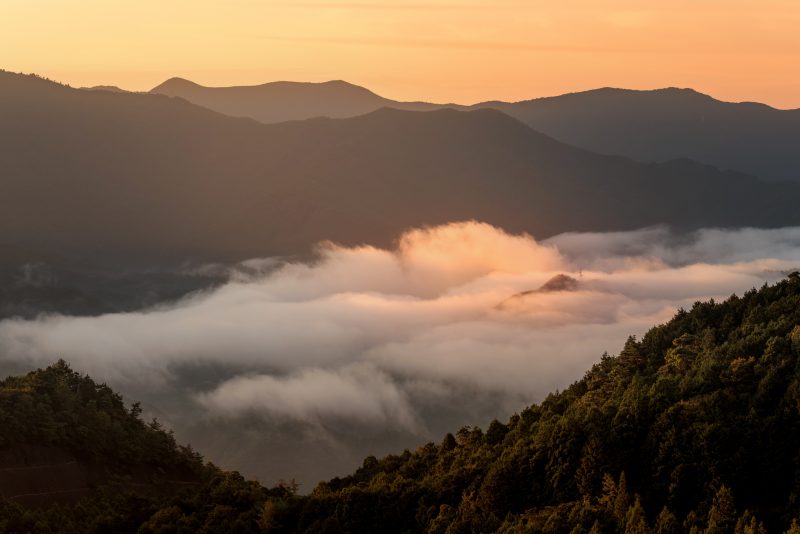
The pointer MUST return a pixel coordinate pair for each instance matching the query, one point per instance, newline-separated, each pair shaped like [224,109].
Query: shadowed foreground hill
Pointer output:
[73,458]
[141,176]
[695,427]
[62,434]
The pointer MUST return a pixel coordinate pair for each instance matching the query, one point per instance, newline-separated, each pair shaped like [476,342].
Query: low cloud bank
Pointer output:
[381,338]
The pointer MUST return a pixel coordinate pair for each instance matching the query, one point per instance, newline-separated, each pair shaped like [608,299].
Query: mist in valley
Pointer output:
[286,369]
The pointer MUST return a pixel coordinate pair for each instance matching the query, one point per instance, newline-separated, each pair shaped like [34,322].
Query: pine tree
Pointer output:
[794,528]
[666,523]
[635,519]
[609,491]
[749,524]
[622,501]
[586,476]
[722,515]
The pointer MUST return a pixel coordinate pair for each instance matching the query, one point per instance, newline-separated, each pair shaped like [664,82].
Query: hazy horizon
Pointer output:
[99,82]
[422,100]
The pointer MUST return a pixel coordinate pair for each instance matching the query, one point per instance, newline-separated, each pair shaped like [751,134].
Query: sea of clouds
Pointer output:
[454,325]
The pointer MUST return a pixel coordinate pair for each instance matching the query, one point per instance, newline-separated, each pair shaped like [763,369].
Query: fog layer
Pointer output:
[295,369]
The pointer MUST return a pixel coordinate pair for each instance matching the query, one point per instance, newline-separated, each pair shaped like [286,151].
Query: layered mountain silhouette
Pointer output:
[139,177]
[671,123]
[649,126]
[283,101]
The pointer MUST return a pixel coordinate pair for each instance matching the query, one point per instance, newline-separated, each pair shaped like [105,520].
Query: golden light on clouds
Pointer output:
[462,51]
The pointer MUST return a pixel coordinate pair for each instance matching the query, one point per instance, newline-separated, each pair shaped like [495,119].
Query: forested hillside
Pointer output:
[695,427]
[74,458]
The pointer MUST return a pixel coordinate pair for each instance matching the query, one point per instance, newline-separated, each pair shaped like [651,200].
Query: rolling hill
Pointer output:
[140,178]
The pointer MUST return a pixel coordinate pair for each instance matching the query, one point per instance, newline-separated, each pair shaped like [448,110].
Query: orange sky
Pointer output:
[442,50]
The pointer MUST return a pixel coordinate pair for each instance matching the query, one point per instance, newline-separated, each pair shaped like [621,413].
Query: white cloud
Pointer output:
[358,392]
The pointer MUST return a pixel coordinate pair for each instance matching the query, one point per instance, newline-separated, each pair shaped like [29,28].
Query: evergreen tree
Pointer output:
[666,523]
[635,519]
[722,515]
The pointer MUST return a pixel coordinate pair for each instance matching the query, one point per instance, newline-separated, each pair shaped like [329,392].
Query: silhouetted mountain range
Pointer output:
[649,126]
[283,101]
[141,176]
[670,123]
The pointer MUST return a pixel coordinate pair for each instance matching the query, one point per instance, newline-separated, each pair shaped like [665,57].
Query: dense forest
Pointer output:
[695,427]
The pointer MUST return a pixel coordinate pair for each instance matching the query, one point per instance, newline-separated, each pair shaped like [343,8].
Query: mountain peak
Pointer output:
[342,83]
[174,83]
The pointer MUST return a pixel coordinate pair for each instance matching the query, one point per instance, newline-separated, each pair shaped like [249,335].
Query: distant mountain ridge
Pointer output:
[664,124]
[648,126]
[283,101]
[137,176]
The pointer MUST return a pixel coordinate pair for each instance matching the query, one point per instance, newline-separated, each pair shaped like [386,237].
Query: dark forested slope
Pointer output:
[74,458]
[695,427]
